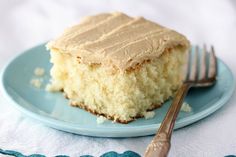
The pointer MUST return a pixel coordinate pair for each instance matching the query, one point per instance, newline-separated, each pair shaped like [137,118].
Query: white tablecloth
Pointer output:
[26,23]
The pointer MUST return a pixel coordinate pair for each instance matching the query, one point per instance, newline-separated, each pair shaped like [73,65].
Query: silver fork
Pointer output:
[202,71]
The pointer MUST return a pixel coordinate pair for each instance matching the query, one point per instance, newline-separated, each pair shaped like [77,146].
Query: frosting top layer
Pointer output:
[117,40]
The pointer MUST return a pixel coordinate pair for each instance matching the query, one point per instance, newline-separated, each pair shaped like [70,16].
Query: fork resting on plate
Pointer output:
[201,72]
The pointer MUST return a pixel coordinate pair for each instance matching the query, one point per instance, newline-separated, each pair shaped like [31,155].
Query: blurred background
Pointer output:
[26,23]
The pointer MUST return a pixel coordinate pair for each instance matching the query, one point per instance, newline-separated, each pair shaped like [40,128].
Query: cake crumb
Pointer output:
[39,71]
[36,83]
[149,115]
[101,119]
[52,88]
[186,107]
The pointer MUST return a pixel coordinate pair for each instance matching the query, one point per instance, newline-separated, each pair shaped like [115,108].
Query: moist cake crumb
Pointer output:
[186,107]
[39,71]
[149,115]
[101,119]
[36,83]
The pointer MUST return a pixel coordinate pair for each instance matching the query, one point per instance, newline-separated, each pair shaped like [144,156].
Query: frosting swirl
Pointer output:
[117,40]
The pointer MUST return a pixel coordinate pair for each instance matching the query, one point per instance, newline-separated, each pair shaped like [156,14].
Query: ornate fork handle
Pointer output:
[160,145]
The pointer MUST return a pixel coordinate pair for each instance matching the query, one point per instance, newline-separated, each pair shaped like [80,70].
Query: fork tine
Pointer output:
[212,64]
[203,64]
[188,67]
[194,66]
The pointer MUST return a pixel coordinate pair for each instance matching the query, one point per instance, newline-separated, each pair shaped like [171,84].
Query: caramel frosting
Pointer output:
[117,40]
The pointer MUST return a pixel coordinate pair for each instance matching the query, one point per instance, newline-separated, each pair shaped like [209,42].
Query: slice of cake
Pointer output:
[117,66]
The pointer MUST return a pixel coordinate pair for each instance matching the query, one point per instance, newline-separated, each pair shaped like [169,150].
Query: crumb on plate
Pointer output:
[39,71]
[186,107]
[51,88]
[149,115]
[36,83]
[101,119]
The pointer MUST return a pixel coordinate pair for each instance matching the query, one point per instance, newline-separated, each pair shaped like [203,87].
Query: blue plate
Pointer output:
[53,110]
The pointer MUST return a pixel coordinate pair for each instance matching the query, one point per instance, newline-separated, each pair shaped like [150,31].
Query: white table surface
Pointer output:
[26,23]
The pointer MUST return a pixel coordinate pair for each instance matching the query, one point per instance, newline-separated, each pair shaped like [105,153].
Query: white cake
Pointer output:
[117,66]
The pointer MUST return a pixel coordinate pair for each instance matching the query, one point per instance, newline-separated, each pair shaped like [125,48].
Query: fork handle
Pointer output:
[160,145]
